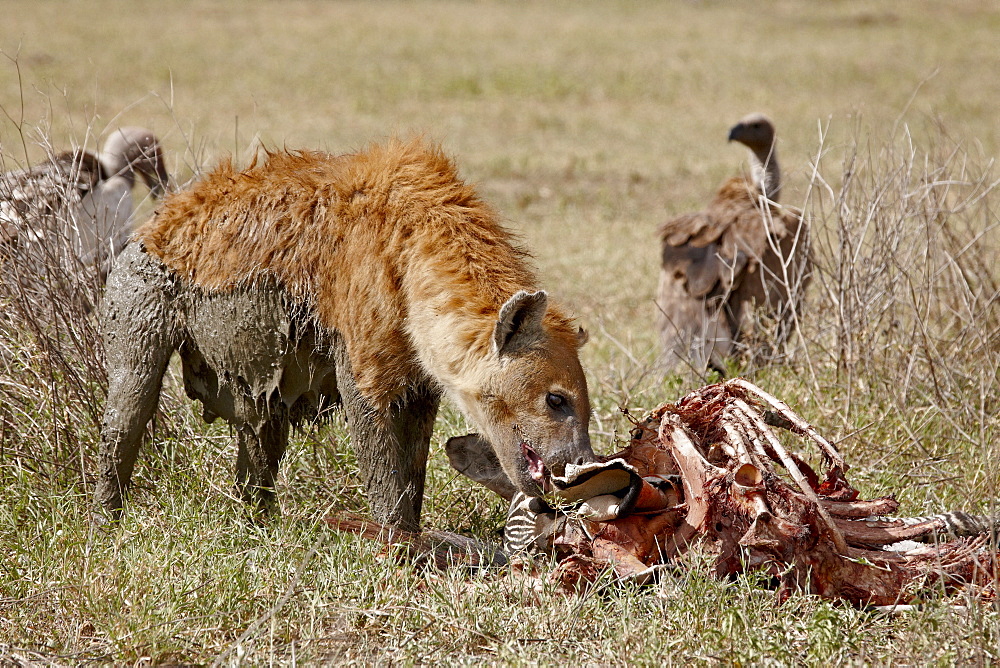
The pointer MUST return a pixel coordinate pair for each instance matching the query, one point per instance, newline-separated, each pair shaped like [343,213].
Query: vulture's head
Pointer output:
[134,150]
[755,131]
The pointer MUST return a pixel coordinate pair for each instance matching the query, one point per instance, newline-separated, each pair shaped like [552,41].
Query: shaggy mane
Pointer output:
[362,238]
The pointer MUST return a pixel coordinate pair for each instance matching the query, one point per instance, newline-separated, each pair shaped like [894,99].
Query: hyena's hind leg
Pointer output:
[139,337]
[259,454]
[391,447]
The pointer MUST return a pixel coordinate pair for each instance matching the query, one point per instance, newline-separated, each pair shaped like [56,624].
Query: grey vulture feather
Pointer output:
[76,208]
[743,250]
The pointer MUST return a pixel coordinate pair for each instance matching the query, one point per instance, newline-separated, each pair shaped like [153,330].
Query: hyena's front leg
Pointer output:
[391,448]
[392,455]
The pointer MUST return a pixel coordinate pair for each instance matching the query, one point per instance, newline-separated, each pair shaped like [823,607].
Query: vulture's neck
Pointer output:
[765,171]
[114,164]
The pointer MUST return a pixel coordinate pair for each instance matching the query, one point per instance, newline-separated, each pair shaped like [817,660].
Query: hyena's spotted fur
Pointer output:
[378,280]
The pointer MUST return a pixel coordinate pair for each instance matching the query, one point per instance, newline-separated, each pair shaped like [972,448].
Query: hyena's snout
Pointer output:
[576,454]
[523,470]
[551,458]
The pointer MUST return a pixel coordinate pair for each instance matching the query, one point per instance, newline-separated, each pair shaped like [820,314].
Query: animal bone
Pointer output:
[752,504]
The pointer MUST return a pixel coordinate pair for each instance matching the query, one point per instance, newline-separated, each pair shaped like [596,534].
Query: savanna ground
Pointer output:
[585,124]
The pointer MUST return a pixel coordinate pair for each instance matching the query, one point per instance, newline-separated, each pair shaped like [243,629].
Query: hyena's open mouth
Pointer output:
[536,468]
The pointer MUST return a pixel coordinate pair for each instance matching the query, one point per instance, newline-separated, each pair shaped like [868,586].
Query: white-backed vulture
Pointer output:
[742,250]
[77,206]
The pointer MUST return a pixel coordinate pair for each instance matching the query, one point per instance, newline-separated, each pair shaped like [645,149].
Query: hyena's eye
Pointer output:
[555,401]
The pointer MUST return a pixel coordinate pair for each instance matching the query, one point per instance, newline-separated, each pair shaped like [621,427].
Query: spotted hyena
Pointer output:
[377,281]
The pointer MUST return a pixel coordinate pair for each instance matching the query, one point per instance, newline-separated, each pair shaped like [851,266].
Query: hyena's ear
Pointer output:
[582,336]
[520,322]
[474,457]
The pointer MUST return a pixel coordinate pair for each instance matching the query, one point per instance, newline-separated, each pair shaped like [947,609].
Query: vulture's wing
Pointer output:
[695,229]
[28,196]
[694,277]
[699,269]
[41,215]
[692,323]
[706,246]
[779,264]
[746,227]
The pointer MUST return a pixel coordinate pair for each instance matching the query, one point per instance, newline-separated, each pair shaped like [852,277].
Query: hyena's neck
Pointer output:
[453,344]
[453,301]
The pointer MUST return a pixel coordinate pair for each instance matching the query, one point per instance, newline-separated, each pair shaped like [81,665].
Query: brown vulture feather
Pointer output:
[743,250]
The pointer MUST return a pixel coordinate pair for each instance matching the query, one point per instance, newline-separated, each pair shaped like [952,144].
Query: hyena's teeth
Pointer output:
[536,467]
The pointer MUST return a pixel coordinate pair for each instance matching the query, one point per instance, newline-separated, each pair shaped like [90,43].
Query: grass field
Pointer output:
[586,125]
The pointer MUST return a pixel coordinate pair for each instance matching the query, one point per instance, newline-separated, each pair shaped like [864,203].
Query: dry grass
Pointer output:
[586,125]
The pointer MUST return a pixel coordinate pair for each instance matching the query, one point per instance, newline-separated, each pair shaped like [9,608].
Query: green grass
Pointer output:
[585,124]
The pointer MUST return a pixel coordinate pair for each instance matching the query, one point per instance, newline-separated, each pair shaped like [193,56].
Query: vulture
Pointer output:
[742,252]
[77,206]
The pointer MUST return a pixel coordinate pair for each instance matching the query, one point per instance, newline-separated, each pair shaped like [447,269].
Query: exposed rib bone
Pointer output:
[746,456]
[793,470]
[861,509]
[874,533]
[800,425]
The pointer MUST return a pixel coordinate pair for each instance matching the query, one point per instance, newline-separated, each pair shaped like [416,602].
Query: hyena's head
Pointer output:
[532,404]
